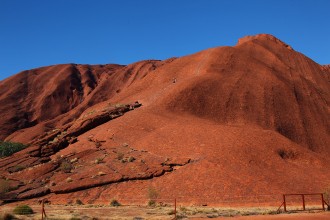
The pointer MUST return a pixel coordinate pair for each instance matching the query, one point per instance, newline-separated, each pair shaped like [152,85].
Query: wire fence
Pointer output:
[155,208]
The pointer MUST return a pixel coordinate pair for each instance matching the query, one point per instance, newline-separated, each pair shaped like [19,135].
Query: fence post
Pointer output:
[303,200]
[175,208]
[42,209]
[322,201]
[43,212]
[284,203]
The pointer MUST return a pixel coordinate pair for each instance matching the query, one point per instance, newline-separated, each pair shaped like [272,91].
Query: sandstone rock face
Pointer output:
[229,122]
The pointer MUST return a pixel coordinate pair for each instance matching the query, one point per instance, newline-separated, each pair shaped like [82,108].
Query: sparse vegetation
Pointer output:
[152,203]
[131,159]
[115,203]
[66,167]
[23,210]
[9,148]
[79,202]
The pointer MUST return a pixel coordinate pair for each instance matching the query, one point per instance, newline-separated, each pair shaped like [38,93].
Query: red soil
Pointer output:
[303,216]
[241,122]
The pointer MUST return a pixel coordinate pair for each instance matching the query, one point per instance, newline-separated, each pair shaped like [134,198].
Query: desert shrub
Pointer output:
[79,202]
[151,203]
[66,166]
[23,210]
[183,216]
[131,159]
[7,216]
[114,203]
[9,148]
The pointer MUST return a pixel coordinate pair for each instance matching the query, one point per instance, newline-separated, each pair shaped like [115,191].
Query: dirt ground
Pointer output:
[90,212]
[295,216]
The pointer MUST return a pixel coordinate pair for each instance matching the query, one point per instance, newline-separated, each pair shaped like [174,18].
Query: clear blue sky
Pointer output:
[36,33]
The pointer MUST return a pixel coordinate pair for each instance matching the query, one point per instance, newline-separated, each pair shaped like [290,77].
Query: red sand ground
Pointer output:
[241,125]
[313,216]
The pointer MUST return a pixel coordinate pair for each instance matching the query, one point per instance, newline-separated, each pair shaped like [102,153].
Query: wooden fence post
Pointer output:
[322,201]
[43,212]
[175,208]
[42,209]
[303,201]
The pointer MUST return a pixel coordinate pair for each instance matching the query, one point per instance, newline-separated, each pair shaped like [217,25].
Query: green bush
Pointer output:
[115,203]
[9,148]
[23,210]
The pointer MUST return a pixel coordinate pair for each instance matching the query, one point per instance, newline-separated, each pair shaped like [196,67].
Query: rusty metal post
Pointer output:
[303,200]
[322,201]
[284,203]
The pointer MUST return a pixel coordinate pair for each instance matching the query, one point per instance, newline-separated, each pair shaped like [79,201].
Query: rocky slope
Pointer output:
[223,124]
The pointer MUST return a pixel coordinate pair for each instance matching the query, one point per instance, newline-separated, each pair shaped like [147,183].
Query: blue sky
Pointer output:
[38,33]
